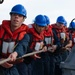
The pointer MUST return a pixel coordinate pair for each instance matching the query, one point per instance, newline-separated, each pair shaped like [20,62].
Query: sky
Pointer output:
[51,8]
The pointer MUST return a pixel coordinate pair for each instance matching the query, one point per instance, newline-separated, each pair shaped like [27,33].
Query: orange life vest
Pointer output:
[8,38]
[49,36]
[35,36]
[48,32]
[60,30]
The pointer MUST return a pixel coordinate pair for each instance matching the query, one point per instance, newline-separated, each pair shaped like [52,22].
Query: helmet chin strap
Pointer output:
[1,1]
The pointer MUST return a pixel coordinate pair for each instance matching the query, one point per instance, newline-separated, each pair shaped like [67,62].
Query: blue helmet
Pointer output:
[47,19]
[19,9]
[40,20]
[61,19]
[72,25]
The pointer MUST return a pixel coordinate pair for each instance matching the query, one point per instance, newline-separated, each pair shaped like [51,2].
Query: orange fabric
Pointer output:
[35,36]
[5,28]
[59,30]
[48,32]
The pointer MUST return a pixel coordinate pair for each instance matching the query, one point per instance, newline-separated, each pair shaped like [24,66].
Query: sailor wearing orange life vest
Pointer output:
[37,32]
[52,44]
[11,32]
[65,42]
[72,32]
[36,42]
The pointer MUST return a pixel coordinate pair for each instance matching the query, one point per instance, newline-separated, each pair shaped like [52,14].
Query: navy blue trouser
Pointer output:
[37,67]
[24,69]
[8,71]
[45,65]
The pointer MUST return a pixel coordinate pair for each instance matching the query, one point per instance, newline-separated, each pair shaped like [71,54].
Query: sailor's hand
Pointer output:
[37,56]
[53,48]
[63,48]
[44,49]
[66,48]
[13,56]
[6,65]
